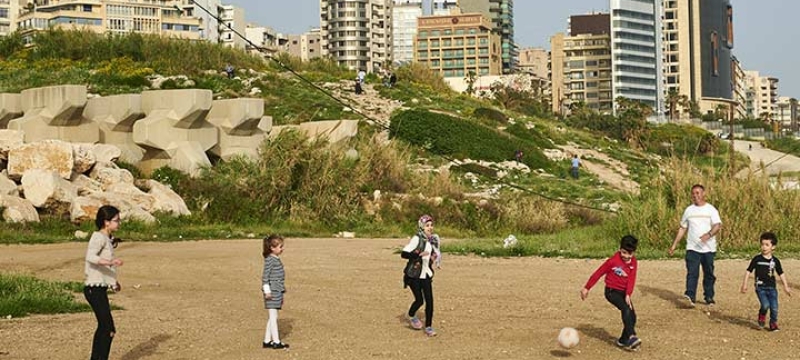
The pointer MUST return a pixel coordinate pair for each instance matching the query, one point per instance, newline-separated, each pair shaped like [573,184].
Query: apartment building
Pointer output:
[357,33]
[209,26]
[741,90]
[232,22]
[154,17]
[9,11]
[786,113]
[456,45]
[698,39]
[535,62]
[306,46]
[581,65]
[765,94]
[636,54]
[267,40]
[501,15]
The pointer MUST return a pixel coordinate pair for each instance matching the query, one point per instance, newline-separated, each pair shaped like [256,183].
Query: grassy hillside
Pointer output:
[307,188]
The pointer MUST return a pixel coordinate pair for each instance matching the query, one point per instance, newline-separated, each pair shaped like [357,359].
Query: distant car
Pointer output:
[724,136]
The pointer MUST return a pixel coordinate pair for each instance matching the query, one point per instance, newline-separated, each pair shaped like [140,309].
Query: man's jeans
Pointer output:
[694,260]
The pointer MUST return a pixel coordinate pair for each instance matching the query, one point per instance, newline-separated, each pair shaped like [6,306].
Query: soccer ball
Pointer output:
[568,338]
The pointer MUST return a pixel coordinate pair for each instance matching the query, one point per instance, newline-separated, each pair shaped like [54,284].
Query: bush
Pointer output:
[445,135]
[680,140]
[490,114]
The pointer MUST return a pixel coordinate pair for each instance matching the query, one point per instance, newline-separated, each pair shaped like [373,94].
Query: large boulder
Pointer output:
[83,154]
[106,153]
[132,194]
[166,200]
[7,186]
[86,185]
[9,139]
[45,187]
[108,174]
[54,155]
[17,209]
[84,208]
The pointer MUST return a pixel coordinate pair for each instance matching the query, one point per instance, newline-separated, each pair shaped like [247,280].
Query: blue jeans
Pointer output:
[694,260]
[768,297]
[574,172]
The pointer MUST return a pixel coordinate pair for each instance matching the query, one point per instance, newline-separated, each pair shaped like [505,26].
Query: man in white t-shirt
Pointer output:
[700,223]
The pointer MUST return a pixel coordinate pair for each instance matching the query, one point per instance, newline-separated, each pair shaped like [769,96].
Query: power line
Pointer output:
[376,121]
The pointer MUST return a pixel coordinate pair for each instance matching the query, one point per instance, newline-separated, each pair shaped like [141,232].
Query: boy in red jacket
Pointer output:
[620,272]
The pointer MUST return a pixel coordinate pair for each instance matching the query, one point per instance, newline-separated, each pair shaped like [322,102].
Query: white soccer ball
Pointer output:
[568,338]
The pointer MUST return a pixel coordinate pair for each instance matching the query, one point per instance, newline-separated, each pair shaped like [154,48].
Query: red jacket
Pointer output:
[619,274]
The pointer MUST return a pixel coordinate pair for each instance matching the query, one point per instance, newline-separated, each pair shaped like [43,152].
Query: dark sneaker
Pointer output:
[633,343]
[773,326]
[267,345]
[711,302]
[689,301]
[762,320]
[280,345]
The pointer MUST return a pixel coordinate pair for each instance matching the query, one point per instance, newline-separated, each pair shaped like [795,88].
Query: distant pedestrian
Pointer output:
[392,79]
[518,156]
[362,75]
[358,88]
[576,163]
[230,71]
[272,286]
[750,147]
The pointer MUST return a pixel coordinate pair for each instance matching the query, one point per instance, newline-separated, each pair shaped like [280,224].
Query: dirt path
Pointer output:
[774,161]
[612,171]
[201,300]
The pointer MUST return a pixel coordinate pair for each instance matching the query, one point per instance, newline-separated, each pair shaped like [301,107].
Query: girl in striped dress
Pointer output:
[272,286]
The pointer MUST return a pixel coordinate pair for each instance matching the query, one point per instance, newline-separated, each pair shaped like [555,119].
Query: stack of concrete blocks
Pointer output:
[175,131]
[55,112]
[243,127]
[115,116]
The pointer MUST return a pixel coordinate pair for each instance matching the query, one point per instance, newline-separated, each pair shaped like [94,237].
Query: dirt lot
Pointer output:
[345,300]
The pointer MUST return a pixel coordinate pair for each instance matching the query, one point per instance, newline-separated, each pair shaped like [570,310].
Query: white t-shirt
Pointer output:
[699,220]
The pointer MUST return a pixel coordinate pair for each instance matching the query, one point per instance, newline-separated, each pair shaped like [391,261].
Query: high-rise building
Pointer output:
[740,90]
[501,15]
[443,7]
[119,16]
[357,33]
[456,45]
[636,52]
[533,61]
[232,22]
[698,38]
[581,65]
[9,12]
[404,28]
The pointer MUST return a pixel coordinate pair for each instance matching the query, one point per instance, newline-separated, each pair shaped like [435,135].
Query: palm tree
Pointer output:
[675,99]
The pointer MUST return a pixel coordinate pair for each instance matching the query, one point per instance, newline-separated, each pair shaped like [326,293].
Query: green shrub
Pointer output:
[168,176]
[445,135]
[680,140]
[490,114]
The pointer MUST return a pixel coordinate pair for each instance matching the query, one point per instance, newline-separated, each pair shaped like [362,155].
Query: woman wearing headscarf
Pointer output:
[422,252]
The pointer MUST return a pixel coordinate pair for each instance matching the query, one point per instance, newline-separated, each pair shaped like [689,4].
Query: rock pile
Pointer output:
[78,178]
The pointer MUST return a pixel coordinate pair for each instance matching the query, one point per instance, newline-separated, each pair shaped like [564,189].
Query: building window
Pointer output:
[87,8]
[730,27]
[714,53]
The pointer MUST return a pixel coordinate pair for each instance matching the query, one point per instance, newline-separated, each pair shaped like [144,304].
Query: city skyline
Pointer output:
[762,28]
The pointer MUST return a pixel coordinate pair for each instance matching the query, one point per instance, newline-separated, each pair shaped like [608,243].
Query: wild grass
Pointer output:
[22,295]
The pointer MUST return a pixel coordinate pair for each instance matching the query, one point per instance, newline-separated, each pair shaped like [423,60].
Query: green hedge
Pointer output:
[446,135]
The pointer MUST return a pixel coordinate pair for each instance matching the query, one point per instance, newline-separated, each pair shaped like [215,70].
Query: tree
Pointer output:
[471,78]
[632,118]
[675,99]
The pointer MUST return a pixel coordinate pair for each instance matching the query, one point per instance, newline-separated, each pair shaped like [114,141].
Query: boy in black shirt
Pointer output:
[766,266]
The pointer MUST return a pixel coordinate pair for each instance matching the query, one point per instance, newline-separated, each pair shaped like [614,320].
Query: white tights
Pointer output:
[272,327]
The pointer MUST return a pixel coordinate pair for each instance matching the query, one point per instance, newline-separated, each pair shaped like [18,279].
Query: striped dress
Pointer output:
[274,276]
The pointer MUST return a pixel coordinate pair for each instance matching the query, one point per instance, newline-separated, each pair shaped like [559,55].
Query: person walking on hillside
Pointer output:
[576,163]
[101,275]
[700,223]
[422,253]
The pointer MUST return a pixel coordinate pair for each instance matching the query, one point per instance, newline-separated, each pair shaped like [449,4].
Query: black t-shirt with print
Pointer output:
[765,270]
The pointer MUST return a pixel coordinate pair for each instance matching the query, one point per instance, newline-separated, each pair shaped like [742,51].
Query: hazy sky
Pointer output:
[766,32]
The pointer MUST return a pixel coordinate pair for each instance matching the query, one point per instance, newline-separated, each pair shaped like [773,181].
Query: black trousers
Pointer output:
[97,296]
[617,298]
[422,289]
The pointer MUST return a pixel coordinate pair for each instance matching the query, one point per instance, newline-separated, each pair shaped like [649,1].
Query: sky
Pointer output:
[765,32]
